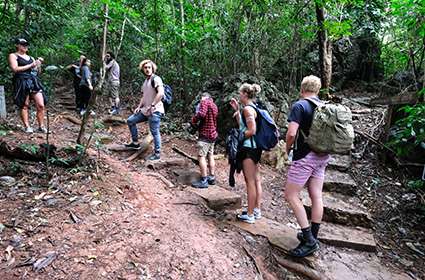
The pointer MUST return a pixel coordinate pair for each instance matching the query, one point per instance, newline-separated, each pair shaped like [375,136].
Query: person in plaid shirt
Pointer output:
[206,116]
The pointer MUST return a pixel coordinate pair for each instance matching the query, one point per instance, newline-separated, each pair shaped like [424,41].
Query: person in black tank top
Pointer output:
[27,85]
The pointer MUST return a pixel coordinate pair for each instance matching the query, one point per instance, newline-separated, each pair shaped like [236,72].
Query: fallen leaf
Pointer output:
[44,261]
[95,202]
[40,196]
[91,257]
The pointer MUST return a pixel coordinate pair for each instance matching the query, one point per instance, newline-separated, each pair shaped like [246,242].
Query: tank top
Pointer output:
[23,62]
[249,142]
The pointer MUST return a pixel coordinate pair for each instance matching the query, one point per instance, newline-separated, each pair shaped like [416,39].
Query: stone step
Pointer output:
[279,235]
[186,176]
[218,198]
[337,181]
[340,162]
[341,209]
[356,238]
[284,237]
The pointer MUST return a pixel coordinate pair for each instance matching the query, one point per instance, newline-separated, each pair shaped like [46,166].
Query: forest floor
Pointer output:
[111,218]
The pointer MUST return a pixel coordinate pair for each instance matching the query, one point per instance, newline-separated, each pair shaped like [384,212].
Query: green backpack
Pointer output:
[331,130]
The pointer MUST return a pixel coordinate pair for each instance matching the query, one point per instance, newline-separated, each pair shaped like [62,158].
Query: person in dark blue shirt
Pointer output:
[307,167]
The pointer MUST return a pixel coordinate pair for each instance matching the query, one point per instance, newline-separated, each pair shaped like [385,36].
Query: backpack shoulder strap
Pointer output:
[317,103]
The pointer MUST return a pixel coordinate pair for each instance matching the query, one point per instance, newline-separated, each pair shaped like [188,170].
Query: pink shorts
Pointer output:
[312,165]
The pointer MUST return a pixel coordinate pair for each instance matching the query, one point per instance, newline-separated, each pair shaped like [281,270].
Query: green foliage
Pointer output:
[416,184]
[410,131]
[30,148]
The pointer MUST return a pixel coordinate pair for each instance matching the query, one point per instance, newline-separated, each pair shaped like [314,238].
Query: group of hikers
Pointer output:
[307,167]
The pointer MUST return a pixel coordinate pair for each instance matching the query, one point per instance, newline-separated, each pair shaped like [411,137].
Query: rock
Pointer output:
[7,181]
[276,157]
[336,181]
[218,198]
[223,90]
[187,176]
[414,248]
[340,162]
[357,238]
[341,209]
[278,234]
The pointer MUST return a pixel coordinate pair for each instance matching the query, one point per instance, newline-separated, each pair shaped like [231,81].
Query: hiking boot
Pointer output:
[154,156]
[244,217]
[201,184]
[29,129]
[133,145]
[211,179]
[305,249]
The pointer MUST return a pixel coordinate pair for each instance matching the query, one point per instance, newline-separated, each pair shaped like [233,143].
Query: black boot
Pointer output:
[307,246]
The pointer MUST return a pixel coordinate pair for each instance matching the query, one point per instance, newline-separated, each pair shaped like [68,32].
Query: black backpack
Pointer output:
[167,99]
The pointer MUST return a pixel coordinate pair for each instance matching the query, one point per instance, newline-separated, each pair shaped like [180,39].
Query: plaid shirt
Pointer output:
[207,116]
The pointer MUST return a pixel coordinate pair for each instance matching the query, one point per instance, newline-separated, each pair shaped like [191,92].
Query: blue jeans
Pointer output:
[154,123]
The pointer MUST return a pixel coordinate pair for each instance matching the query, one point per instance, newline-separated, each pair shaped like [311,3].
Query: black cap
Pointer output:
[21,41]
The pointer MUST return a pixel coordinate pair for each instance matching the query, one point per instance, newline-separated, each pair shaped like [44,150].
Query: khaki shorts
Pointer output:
[205,148]
[113,90]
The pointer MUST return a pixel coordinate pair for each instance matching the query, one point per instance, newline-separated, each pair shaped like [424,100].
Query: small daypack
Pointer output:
[267,134]
[167,99]
[331,130]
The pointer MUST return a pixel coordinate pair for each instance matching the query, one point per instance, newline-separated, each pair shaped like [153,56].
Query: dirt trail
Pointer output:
[123,224]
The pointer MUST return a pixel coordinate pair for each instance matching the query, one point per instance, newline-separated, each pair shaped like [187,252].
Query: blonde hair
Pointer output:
[146,61]
[311,84]
[251,90]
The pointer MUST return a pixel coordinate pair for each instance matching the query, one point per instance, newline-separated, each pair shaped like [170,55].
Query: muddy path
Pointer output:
[112,219]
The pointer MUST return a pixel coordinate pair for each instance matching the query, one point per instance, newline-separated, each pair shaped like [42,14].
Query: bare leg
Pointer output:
[292,192]
[315,191]
[249,169]
[211,164]
[39,104]
[24,112]
[203,166]
[258,187]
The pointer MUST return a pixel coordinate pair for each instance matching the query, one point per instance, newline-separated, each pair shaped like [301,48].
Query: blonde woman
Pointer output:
[249,155]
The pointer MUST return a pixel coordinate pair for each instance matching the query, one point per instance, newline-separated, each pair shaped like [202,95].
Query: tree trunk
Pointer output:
[105,34]
[185,97]
[325,48]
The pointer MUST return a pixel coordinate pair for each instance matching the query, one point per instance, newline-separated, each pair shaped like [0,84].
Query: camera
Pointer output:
[192,128]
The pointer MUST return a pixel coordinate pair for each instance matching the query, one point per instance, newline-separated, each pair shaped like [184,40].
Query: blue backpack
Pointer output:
[267,135]
[167,99]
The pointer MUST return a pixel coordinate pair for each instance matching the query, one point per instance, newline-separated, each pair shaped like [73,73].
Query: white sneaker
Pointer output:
[244,217]
[92,113]
[82,112]
[257,213]
[29,129]
[42,130]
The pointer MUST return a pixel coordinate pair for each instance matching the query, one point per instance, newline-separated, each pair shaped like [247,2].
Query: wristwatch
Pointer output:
[152,105]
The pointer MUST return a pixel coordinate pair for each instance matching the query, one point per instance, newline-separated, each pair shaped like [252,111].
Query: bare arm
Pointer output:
[13,63]
[236,114]
[290,135]
[250,114]
[159,95]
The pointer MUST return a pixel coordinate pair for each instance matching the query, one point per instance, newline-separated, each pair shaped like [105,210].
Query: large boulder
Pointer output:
[224,89]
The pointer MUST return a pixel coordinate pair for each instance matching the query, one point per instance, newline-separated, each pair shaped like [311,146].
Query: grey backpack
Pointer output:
[331,130]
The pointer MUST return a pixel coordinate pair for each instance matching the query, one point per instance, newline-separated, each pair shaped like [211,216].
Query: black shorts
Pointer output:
[244,153]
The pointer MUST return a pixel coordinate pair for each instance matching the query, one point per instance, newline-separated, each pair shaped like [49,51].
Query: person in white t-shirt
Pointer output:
[150,108]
